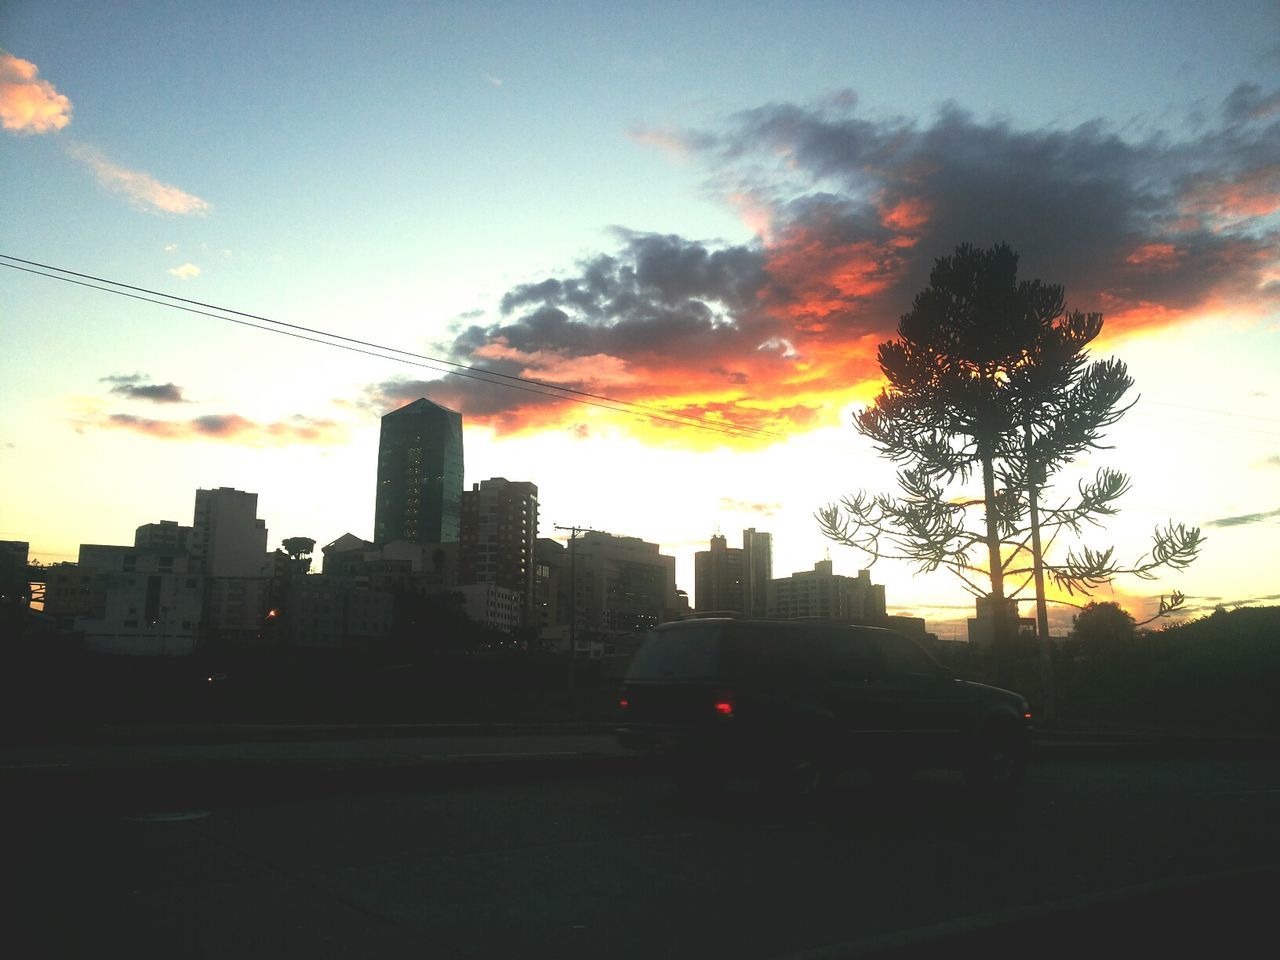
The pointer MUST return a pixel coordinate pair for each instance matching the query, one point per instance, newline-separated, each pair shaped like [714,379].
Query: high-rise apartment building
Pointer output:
[757,571]
[497,536]
[227,539]
[717,577]
[419,496]
[732,579]
[229,546]
[620,584]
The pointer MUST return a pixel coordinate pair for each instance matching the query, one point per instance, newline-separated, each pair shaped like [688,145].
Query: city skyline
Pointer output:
[720,220]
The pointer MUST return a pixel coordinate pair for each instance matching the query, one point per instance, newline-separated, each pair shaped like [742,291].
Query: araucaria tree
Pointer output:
[989,379]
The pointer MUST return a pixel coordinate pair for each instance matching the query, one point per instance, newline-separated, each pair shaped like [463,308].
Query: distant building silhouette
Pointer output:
[981,629]
[229,546]
[822,594]
[167,533]
[498,533]
[492,605]
[419,495]
[227,538]
[136,601]
[619,588]
[734,579]
[550,582]
[717,577]
[757,571]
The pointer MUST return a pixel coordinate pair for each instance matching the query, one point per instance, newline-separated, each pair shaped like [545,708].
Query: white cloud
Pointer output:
[28,104]
[141,188]
[186,271]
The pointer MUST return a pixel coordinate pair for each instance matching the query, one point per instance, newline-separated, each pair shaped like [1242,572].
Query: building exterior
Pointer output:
[227,538]
[335,612]
[550,583]
[15,587]
[981,630]
[493,606]
[718,577]
[398,565]
[419,495]
[620,586]
[757,571]
[820,593]
[498,534]
[168,534]
[71,591]
[133,601]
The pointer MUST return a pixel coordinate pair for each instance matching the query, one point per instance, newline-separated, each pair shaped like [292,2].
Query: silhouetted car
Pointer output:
[794,700]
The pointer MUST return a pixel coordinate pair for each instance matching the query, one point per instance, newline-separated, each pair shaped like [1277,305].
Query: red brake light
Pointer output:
[724,708]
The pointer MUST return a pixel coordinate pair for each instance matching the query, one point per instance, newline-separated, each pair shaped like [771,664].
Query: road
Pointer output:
[604,859]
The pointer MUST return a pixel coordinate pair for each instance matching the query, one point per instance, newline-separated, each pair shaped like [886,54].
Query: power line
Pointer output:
[466,371]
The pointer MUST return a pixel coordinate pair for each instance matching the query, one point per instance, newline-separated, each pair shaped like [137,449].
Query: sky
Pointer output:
[716,210]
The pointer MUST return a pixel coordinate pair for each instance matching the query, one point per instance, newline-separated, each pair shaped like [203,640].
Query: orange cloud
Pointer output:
[813,277]
[28,104]
[906,215]
[142,189]
[1162,256]
[548,366]
[1255,194]
[233,428]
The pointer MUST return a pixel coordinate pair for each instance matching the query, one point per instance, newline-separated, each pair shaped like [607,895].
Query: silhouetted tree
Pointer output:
[298,546]
[1103,626]
[989,377]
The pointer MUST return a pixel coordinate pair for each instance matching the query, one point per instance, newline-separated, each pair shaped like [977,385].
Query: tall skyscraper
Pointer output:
[733,579]
[717,577]
[419,496]
[757,571]
[498,532]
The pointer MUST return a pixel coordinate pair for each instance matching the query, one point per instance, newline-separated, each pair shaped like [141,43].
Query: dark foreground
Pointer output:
[597,857]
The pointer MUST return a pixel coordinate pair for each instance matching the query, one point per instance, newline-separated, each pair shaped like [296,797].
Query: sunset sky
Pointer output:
[718,210]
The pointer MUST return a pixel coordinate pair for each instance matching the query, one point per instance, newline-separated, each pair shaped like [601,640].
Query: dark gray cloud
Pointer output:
[852,212]
[136,386]
[1085,207]
[1243,519]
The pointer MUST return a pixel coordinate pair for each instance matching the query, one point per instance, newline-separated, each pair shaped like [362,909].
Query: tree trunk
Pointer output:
[1037,566]
[1001,628]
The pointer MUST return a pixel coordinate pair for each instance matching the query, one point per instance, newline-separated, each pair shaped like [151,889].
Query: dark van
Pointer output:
[795,700]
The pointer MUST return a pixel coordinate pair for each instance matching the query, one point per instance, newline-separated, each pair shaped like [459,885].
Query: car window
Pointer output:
[775,656]
[855,657]
[690,653]
[904,658]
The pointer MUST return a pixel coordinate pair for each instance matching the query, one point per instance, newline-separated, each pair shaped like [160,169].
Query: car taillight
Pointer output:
[724,708]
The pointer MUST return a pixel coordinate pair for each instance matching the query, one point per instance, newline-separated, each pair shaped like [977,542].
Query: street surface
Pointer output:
[601,858]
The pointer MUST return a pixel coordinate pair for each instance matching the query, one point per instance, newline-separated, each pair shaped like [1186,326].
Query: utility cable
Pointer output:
[476,373]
